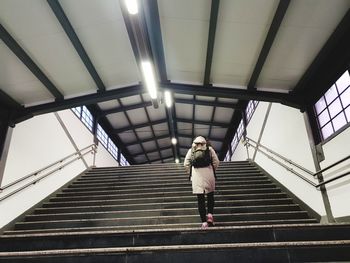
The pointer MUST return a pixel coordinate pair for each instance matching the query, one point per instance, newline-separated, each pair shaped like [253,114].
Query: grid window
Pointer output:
[332,109]
[123,161]
[250,109]
[77,111]
[87,118]
[112,149]
[102,136]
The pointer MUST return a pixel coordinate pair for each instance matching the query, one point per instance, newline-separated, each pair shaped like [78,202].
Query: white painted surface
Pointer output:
[286,134]
[37,143]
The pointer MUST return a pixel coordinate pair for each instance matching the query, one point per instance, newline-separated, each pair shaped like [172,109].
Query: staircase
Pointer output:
[147,213]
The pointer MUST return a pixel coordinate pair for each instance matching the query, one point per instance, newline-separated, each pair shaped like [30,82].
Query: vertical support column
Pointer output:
[317,156]
[5,138]
[244,119]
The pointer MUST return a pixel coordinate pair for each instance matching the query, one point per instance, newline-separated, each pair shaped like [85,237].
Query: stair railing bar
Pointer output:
[333,179]
[282,157]
[45,175]
[300,167]
[282,164]
[93,146]
[332,165]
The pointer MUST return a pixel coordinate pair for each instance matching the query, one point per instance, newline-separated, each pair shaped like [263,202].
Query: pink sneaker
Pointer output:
[204,225]
[210,220]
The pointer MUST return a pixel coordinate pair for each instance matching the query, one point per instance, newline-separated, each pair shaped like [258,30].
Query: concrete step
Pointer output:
[162,226]
[181,236]
[189,207]
[187,187]
[98,194]
[174,219]
[166,198]
[122,206]
[320,251]
[157,212]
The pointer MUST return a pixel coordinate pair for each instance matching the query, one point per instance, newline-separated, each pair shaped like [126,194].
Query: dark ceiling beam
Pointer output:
[139,38]
[329,64]
[241,94]
[208,103]
[190,137]
[127,108]
[148,140]
[66,25]
[152,151]
[152,22]
[211,39]
[151,15]
[220,124]
[139,126]
[82,100]
[8,102]
[23,56]
[274,27]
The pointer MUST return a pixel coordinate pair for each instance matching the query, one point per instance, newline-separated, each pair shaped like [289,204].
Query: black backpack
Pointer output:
[201,158]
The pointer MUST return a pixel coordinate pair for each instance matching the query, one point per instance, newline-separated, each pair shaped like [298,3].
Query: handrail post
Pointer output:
[316,157]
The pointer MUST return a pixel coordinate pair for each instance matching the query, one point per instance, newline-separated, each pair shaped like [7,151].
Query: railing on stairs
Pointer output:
[51,169]
[251,143]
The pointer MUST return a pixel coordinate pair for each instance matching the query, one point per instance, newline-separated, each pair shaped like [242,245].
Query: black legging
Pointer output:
[201,205]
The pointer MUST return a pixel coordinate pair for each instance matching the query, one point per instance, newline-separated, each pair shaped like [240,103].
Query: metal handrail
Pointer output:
[299,166]
[45,168]
[80,153]
[282,157]
[282,164]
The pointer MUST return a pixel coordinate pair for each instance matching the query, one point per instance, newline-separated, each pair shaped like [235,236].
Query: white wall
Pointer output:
[36,143]
[286,134]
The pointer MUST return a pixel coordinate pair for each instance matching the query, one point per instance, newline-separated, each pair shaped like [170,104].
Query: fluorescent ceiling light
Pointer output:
[148,75]
[132,7]
[174,141]
[177,160]
[168,99]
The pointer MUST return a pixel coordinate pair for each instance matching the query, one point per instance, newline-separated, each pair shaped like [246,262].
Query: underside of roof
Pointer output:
[213,56]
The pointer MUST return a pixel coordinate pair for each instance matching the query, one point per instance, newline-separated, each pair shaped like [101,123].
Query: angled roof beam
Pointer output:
[159,159]
[211,39]
[62,18]
[274,27]
[126,108]
[82,100]
[148,140]
[8,102]
[139,126]
[208,103]
[23,56]
[232,93]
[151,15]
[220,124]
[289,100]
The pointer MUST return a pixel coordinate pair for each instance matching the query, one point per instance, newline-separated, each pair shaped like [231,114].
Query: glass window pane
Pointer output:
[339,121]
[343,82]
[335,108]
[323,118]
[331,94]
[327,131]
[347,113]
[345,98]
[320,105]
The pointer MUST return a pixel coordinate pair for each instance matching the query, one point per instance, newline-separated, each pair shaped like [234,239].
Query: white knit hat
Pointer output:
[200,139]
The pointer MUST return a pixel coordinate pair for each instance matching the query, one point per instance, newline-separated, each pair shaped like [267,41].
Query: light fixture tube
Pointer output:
[132,7]
[168,99]
[148,75]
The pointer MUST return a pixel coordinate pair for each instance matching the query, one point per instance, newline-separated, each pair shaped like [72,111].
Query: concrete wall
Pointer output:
[286,134]
[37,143]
